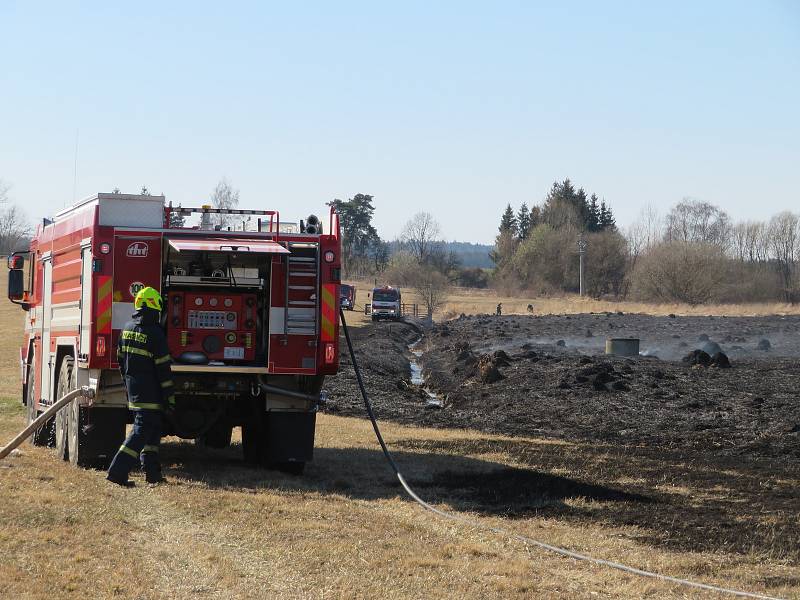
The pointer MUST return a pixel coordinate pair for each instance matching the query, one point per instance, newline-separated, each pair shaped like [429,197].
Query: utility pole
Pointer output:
[581,253]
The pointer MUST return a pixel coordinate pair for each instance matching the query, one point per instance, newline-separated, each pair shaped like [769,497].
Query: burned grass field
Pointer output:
[693,458]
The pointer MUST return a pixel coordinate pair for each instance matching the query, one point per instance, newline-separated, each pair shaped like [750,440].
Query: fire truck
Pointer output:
[386,303]
[250,314]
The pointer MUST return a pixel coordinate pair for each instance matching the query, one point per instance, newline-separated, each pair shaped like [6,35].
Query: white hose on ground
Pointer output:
[41,419]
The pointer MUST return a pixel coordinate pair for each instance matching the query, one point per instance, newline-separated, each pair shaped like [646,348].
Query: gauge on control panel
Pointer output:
[213,301]
[228,302]
[198,301]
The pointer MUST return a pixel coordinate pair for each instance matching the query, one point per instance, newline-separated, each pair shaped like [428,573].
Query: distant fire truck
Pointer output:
[347,296]
[386,303]
[250,316]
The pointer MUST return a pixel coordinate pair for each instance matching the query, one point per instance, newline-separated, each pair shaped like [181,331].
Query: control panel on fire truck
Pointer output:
[220,326]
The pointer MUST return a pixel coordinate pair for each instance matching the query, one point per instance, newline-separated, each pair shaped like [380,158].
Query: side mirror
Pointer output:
[16,261]
[16,283]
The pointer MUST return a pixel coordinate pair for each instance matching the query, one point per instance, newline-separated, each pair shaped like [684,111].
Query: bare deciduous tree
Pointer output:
[757,242]
[432,286]
[784,236]
[420,235]
[680,272]
[14,229]
[698,222]
[644,233]
[224,196]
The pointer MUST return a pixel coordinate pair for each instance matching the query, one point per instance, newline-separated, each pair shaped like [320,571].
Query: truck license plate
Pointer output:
[234,352]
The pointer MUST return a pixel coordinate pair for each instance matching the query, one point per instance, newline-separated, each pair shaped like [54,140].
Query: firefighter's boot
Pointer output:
[151,465]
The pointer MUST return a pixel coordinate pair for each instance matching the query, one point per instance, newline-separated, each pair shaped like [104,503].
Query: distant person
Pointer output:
[530,308]
[144,362]
[499,309]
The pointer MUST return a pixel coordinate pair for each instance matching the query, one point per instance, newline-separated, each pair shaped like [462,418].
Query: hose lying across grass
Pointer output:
[41,419]
[516,536]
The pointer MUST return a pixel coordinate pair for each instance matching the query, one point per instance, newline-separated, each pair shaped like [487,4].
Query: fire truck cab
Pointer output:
[386,303]
[250,314]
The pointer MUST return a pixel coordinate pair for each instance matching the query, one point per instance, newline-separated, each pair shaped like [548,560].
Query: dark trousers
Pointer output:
[142,443]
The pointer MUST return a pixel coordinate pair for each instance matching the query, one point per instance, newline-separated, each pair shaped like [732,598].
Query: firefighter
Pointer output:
[144,362]
[499,310]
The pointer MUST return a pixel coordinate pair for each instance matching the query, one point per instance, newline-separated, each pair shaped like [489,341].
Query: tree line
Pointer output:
[696,253]
[536,249]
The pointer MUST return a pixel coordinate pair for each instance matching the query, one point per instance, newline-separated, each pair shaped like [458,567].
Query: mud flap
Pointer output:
[291,436]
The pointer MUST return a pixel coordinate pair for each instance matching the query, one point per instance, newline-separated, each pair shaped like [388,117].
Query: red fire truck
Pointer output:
[250,313]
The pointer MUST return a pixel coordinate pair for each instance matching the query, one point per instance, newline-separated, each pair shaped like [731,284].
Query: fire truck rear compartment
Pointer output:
[218,306]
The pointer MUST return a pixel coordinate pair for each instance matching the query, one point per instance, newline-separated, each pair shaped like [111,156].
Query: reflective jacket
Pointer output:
[144,362]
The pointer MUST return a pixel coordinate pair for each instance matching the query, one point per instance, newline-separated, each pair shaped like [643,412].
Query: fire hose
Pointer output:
[509,534]
[84,392]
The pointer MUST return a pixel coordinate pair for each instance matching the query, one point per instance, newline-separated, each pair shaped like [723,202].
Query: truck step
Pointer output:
[302,274]
[301,331]
[302,303]
[301,287]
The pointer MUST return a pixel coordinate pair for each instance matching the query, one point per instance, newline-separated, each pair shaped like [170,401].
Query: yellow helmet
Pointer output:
[148,297]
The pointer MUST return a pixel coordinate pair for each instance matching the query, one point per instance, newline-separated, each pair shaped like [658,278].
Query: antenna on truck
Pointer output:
[75,168]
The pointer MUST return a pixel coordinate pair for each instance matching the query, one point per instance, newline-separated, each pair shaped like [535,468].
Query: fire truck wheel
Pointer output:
[219,436]
[65,385]
[251,442]
[44,436]
[95,435]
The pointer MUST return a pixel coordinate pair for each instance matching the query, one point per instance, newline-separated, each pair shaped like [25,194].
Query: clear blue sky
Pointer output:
[454,108]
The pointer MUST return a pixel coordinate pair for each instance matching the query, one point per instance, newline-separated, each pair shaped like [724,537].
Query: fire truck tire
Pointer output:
[66,383]
[45,435]
[219,436]
[95,435]
[251,442]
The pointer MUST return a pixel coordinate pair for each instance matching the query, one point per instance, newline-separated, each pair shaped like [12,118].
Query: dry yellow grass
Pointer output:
[344,530]
[472,301]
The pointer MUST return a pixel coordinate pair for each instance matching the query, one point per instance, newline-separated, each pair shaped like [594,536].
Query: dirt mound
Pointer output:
[601,377]
[487,369]
[704,359]
[721,361]
[697,357]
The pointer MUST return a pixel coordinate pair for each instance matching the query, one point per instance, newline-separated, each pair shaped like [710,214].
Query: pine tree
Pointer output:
[564,207]
[593,223]
[523,221]
[535,218]
[607,220]
[176,219]
[582,207]
[508,222]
